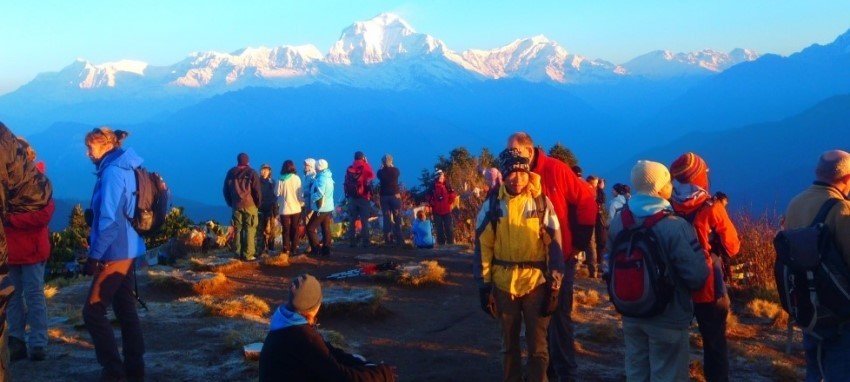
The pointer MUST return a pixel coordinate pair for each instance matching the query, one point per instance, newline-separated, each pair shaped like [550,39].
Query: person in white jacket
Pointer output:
[622,193]
[290,198]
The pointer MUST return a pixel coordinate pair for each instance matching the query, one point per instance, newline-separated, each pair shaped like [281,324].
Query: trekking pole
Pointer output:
[136,289]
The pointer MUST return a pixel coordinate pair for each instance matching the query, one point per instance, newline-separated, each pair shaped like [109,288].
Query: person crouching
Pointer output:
[295,351]
[518,251]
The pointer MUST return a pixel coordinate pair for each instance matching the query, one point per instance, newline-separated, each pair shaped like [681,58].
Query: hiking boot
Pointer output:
[38,353]
[17,349]
[249,259]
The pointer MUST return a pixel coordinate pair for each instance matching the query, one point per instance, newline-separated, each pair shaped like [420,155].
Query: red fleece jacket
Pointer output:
[26,236]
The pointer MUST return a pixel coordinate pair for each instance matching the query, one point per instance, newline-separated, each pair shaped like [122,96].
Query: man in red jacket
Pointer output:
[441,200]
[358,190]
[571,197]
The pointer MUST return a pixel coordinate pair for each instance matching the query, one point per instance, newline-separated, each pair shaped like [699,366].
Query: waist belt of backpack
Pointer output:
[541,265]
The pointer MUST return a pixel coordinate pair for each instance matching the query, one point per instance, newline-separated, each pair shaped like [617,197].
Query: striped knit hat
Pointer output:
[690,168]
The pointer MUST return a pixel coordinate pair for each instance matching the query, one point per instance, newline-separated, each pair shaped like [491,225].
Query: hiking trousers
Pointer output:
[445,228]
[264,231]
[562,347]
[113,284]
[512,313]
[289,234]
[834,356]
[27,306]
[711,318]
[359,208]
[244,221]
[391,211]
[318,219]
[654,353]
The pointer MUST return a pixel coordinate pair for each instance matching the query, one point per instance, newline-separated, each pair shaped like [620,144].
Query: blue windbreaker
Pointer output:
[113,203]
[323,188]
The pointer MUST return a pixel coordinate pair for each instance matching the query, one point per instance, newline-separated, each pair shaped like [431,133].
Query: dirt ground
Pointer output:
[431,333]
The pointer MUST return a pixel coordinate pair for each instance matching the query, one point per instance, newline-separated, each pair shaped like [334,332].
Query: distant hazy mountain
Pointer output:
[665,64]
[761,165]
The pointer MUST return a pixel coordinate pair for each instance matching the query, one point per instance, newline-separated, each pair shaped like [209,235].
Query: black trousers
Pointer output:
[289,234]
[322,219]
[711,318]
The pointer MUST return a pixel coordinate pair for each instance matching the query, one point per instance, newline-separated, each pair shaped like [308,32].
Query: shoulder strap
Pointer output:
[540,204]
[627,217]
[494,210]
[655,218]
[824,210]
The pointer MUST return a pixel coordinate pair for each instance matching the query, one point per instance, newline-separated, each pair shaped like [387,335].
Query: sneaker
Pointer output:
[17,349]
[38,353]
[250,259]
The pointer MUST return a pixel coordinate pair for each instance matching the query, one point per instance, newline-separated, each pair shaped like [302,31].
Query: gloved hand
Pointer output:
[92,267]
[488,303]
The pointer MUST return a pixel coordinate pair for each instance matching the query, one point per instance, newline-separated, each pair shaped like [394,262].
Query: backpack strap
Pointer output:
[824,210]
[655,218]
[627,217]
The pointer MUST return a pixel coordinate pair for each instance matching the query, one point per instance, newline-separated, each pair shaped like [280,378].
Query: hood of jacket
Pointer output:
[644,205]
[286,176]
[688,197]
[122,158]
[284,318]
[325,175]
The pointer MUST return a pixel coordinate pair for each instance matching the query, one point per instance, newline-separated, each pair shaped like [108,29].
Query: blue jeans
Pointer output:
[359,208]
[391,210]
[27,304]
[835,353]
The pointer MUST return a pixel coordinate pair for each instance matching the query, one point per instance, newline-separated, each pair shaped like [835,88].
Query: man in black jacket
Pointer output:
[242,193]
[268,210]
[24,189]
[295,351]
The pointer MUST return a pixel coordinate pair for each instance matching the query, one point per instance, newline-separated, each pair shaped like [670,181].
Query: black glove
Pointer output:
[488,303]
[92,267]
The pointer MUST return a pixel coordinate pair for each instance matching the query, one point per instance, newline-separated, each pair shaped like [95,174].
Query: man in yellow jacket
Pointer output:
[519,264]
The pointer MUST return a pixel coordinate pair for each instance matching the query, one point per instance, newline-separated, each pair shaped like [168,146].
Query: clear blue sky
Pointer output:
[40,36]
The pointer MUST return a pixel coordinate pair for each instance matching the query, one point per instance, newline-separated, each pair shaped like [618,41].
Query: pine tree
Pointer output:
[487,160]
[564,154]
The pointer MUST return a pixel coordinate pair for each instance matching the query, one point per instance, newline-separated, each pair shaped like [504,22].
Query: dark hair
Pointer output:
[720,195]
[104,135]
[288,167]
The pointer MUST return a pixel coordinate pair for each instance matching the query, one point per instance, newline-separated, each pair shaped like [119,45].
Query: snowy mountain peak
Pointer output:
[384,37]
[664,63]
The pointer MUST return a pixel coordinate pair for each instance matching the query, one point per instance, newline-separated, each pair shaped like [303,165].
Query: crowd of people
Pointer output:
[539,222]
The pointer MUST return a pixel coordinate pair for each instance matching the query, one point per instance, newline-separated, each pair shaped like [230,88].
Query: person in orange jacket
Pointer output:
[717,235]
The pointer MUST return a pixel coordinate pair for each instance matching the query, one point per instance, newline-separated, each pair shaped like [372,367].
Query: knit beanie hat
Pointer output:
[310,162]
[649,177]
[690,168]
[321,164]
[305,294]
[359,155]
[242,159]
[511,160]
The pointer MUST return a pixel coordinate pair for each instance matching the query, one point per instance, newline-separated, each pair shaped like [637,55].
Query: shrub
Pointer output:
[589,297]
[757,233]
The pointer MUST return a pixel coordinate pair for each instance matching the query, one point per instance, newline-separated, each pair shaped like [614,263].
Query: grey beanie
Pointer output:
[305,294]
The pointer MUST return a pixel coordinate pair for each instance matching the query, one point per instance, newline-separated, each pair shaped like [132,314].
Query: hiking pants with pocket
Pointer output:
[289,234]
[512,312]
[445,228]
[562,347]
[359,208]
[391,210]
[244,223]
[711,318]
[655,353]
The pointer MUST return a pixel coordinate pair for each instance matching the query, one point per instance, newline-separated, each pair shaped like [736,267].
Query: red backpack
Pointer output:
[639,282]
[353,185]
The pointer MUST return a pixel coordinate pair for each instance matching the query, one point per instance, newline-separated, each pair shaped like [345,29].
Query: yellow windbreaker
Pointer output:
[517,238]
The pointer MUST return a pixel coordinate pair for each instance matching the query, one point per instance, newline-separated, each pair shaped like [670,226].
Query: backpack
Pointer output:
[353,185]
[639,283]
[152,200]
[811,275]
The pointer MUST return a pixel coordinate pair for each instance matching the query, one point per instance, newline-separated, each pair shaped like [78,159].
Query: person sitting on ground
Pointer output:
[295,351]
[422,233]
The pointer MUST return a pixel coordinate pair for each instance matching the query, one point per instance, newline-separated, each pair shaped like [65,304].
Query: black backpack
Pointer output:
[812,277]
[152,201]
[639,283]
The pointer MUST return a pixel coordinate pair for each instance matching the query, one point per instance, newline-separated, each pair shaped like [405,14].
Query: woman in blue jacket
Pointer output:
[113,246]
[322,202]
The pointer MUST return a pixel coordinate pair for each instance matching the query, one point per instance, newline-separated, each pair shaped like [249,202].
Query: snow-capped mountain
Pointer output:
[664,63]
[538,59]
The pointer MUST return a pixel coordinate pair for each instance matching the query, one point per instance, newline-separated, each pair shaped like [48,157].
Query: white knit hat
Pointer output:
[649,177]
[321,164]
[310,162]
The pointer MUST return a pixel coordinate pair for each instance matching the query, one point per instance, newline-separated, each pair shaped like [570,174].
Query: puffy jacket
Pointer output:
[682,252]
[571,198]
[290,197]
[242,188]
[805,206]
[517,238]
[707,218]
[441,199]
[27,235]
[24,189]
[366,177]
[323,190]
[112,202]
[295,351]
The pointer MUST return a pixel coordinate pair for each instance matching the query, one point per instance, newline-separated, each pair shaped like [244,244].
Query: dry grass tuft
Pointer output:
[422,273]
[243,306]
[352,301]
[759,308]
[203,283]
[735,329]
[589,297]
[783,371]
[50,291]
[280,261]
[235,339]
[216,264]
[695,371]
[602,333]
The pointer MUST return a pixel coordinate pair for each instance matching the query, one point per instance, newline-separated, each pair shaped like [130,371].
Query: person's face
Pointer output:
[601,184]
[308,169]
[96,150]
[442,178]
[666,192]
[516,182]
[265,172]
